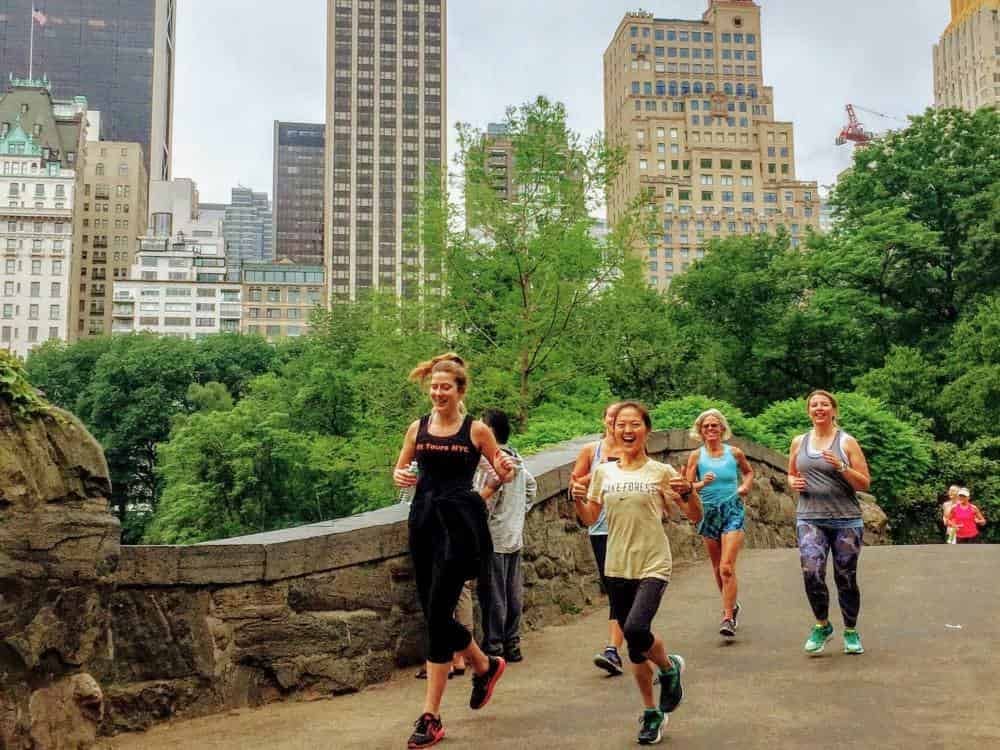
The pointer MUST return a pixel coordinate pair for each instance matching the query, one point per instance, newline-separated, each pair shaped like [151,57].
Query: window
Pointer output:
[53,312]
[748,197]
[725,163]
[727,196]
[706,195]
[746,164]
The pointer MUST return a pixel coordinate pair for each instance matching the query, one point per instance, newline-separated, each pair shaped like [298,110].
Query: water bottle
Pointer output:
[406,493]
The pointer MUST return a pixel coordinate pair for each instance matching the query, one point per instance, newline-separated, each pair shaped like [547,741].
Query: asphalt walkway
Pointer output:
[928,680]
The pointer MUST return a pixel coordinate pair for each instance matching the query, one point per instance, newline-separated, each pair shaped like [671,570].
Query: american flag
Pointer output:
[37,15]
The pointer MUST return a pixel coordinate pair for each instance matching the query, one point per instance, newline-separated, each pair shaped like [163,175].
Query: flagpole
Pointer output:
[31,43]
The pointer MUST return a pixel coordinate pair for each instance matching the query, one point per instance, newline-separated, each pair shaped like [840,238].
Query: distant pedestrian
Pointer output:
[723,477]
[449,536]
[591,456]
[950,528]
[827,467]
[634,494]
[507,505]
[965,518]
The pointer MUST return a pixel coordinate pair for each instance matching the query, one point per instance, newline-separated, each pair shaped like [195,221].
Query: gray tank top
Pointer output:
[827,494]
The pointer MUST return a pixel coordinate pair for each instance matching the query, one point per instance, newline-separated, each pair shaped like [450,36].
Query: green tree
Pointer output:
[521,276]
[63,371]
[971,401]
[909,383]
[942,172]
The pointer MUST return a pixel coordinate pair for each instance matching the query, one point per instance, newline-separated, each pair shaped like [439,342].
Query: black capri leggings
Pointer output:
[439,586]
[599,543]
[634,604]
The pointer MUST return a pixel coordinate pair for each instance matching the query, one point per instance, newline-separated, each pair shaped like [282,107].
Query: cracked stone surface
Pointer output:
[59,549]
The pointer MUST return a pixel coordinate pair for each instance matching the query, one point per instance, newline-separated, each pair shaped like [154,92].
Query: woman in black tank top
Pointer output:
[449,536]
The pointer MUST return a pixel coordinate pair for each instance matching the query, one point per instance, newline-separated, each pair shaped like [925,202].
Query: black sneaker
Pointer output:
[651,726]
[512,654]
[428,731]
[671,692]
[483,684]
[609,661]
[728,628]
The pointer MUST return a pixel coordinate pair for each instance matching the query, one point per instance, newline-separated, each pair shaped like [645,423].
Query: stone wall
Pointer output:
[331,607]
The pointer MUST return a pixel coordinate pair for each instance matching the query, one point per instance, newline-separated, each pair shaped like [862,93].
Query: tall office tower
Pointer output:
[248,228]
[120,55]
[108,220]
[498,153]
[686,99]
[967,59]
[41,152]
[385,134]
[299,157]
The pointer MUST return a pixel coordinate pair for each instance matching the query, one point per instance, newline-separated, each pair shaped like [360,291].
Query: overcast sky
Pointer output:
[240,68]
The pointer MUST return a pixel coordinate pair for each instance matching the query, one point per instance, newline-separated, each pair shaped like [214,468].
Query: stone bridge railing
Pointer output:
[96,636]
[331,607]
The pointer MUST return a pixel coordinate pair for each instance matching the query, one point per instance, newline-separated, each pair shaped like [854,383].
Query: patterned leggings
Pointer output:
[815,543]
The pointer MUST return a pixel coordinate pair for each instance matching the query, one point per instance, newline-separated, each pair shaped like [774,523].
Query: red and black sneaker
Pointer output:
[482,685]
[428,731]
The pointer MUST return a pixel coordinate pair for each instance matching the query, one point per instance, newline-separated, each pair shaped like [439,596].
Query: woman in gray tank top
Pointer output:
[827,467]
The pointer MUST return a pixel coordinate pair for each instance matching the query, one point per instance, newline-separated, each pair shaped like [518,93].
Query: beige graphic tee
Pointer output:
[637,544]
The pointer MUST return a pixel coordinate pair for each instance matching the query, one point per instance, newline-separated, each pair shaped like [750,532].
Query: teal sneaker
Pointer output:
[671,691]
[852,642]
[651,726]
[818,637]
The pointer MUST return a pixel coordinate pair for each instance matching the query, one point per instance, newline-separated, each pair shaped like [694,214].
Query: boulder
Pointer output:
[58,556]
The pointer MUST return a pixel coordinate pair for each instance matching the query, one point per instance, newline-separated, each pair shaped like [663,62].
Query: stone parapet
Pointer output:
[331,607]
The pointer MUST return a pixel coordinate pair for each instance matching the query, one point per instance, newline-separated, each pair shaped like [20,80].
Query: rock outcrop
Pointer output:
[59,550]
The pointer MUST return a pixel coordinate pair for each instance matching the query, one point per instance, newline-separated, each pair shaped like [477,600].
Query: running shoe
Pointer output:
[671,692]
[609,661]
[852,642]
[651,726]
[483,684]
[427,731]
[727,628]
[818,637]
[512,654]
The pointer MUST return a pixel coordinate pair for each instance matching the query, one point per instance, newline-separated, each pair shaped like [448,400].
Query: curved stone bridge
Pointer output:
[310,612]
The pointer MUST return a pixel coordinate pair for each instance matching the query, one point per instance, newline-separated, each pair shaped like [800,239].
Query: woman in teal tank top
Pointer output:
[723,477]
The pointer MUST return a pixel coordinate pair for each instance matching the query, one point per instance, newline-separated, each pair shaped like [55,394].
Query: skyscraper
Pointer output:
[686,99]
[248,228]
[120,55]
[967,58]
[108,220]
[385,132]
[299,154]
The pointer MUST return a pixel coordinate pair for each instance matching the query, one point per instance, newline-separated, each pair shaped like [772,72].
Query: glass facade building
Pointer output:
[117,54]
[298,191]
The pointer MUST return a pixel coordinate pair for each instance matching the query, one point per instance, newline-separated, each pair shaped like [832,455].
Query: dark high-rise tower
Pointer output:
[298,191]
[117,53]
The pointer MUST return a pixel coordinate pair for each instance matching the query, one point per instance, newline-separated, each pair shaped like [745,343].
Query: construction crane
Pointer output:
[854,131]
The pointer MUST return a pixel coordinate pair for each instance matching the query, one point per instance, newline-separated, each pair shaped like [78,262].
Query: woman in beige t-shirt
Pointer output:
[634,493]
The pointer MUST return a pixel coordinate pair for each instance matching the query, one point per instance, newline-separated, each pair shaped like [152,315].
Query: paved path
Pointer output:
[921,684]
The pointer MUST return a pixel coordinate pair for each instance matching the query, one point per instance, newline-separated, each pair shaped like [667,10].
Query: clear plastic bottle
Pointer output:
[406,493]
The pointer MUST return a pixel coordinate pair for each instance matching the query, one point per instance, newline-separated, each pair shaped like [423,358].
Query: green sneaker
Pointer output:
[852,642]
[651,729]
[818,637]
[671,692]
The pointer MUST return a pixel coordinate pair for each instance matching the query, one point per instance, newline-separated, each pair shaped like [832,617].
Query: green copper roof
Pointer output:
[18,142]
